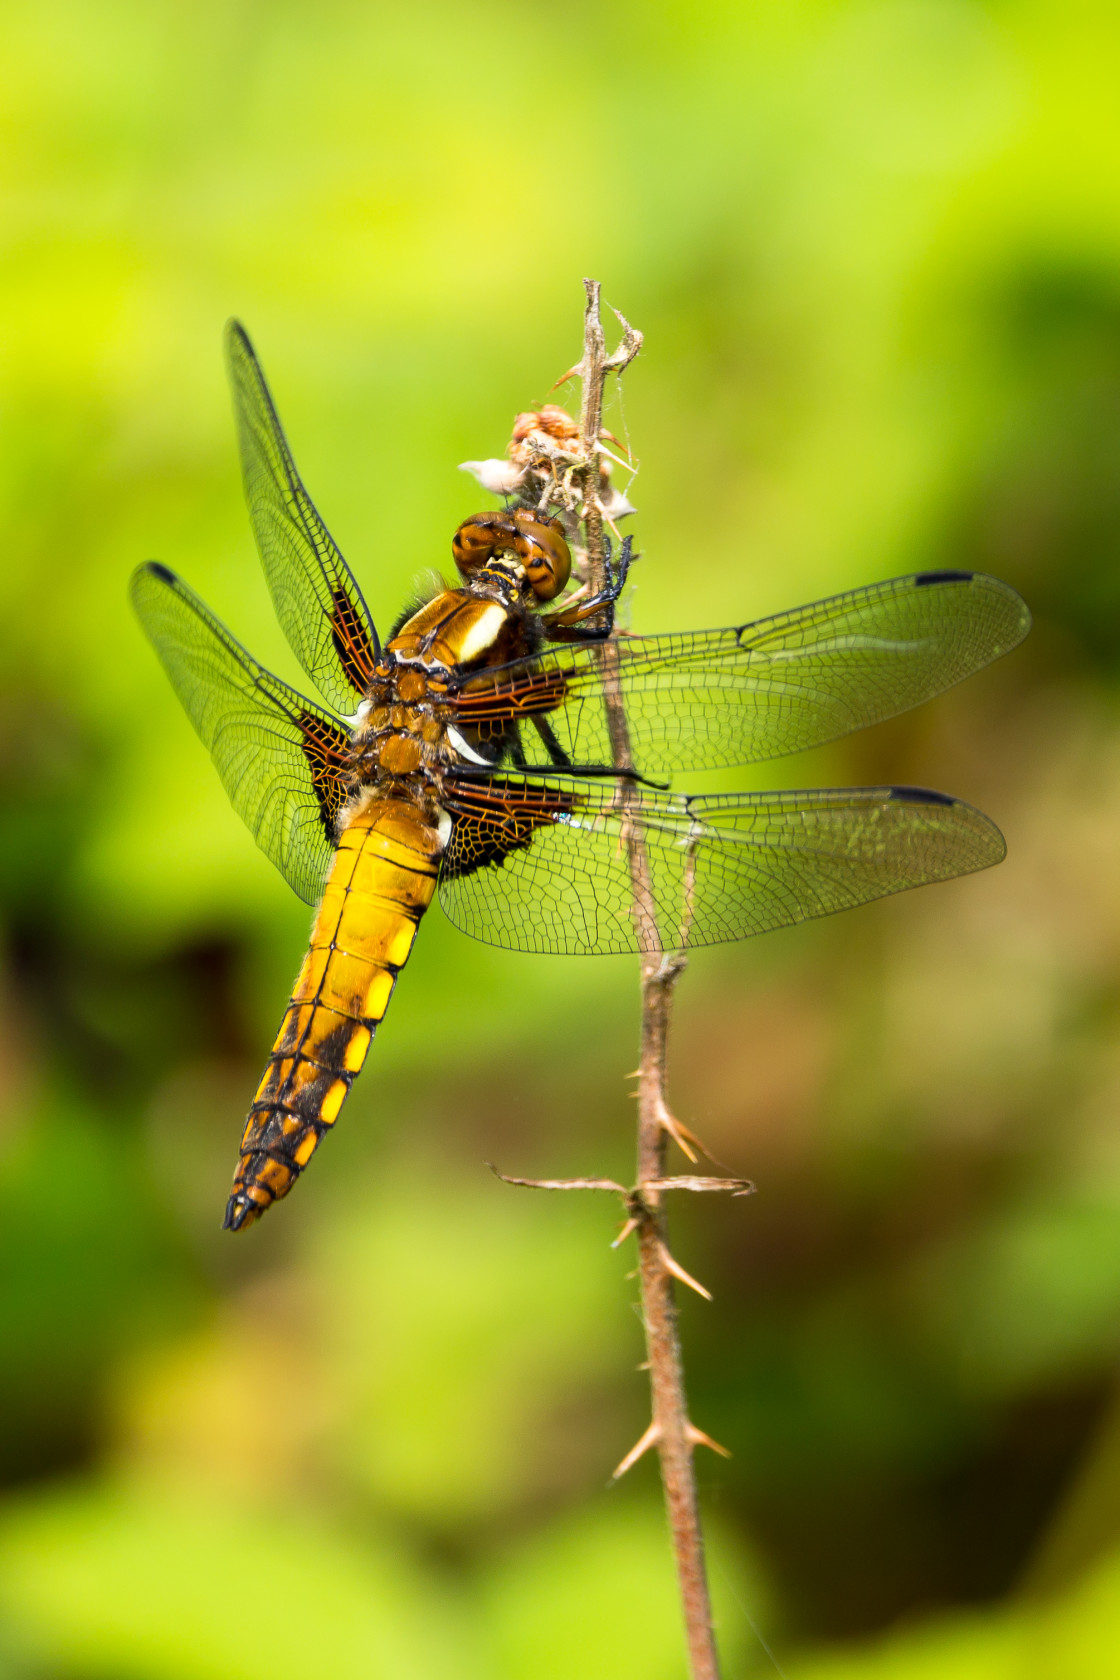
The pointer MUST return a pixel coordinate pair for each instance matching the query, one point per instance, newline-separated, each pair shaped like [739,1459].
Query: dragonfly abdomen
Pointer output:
[381,881]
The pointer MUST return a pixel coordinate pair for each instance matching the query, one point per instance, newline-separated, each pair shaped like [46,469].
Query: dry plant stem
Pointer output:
[670,1428]
[675,1441]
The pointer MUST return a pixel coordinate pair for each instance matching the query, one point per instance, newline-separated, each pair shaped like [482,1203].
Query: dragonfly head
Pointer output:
[525,547]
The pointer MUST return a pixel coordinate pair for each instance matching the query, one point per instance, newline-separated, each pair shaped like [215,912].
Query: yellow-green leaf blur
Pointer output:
[874,248]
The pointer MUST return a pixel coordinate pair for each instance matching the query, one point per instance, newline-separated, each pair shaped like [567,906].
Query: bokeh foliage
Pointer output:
[875,249]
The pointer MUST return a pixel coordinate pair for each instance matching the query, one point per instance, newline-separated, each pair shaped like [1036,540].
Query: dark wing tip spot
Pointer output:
[159,570]
[943,577]
[921,796]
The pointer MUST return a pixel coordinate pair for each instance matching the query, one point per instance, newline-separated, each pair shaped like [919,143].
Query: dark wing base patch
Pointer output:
[495,817]
[326,749]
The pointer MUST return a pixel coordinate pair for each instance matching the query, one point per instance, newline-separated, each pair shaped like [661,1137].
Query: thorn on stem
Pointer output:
[649,1439]
[697,1438]
[679,1272]
[686,1140]
[681,1136]
[630,1226]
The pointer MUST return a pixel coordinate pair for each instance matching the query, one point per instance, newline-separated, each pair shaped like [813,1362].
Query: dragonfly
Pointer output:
[474,755]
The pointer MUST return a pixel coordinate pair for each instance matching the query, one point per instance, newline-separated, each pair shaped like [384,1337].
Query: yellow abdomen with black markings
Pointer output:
[381,881]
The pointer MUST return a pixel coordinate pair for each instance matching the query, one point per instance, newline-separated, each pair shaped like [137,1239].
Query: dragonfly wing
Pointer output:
[741,695]
[281,758]
[544,864]
[316,597]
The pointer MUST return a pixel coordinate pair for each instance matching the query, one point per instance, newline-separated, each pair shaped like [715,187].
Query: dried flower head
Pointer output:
[550,422]
[501,478]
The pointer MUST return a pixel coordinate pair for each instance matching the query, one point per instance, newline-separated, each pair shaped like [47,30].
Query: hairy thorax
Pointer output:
[405,734]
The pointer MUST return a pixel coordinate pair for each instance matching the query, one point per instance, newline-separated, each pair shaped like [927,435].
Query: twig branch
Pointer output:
[555,464]
[670,1429]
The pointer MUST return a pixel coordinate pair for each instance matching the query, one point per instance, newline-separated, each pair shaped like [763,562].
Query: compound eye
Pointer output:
[545,556]
[477,539]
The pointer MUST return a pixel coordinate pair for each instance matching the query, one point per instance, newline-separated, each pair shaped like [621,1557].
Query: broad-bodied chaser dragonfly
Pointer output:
[470,754]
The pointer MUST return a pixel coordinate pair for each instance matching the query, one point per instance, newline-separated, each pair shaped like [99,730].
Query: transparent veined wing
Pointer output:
[540,863]
[316,596]
[738,696]
[281,758]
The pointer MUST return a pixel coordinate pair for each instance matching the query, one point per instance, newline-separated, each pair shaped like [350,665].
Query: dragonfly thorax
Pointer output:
[458,628]
[405,731]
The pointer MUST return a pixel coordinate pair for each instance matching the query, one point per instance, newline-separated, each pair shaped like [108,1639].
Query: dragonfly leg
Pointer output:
[569,624]
[516,750]
[552,746]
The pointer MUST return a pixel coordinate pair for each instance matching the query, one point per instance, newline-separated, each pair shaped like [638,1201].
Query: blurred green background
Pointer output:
[875,250]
